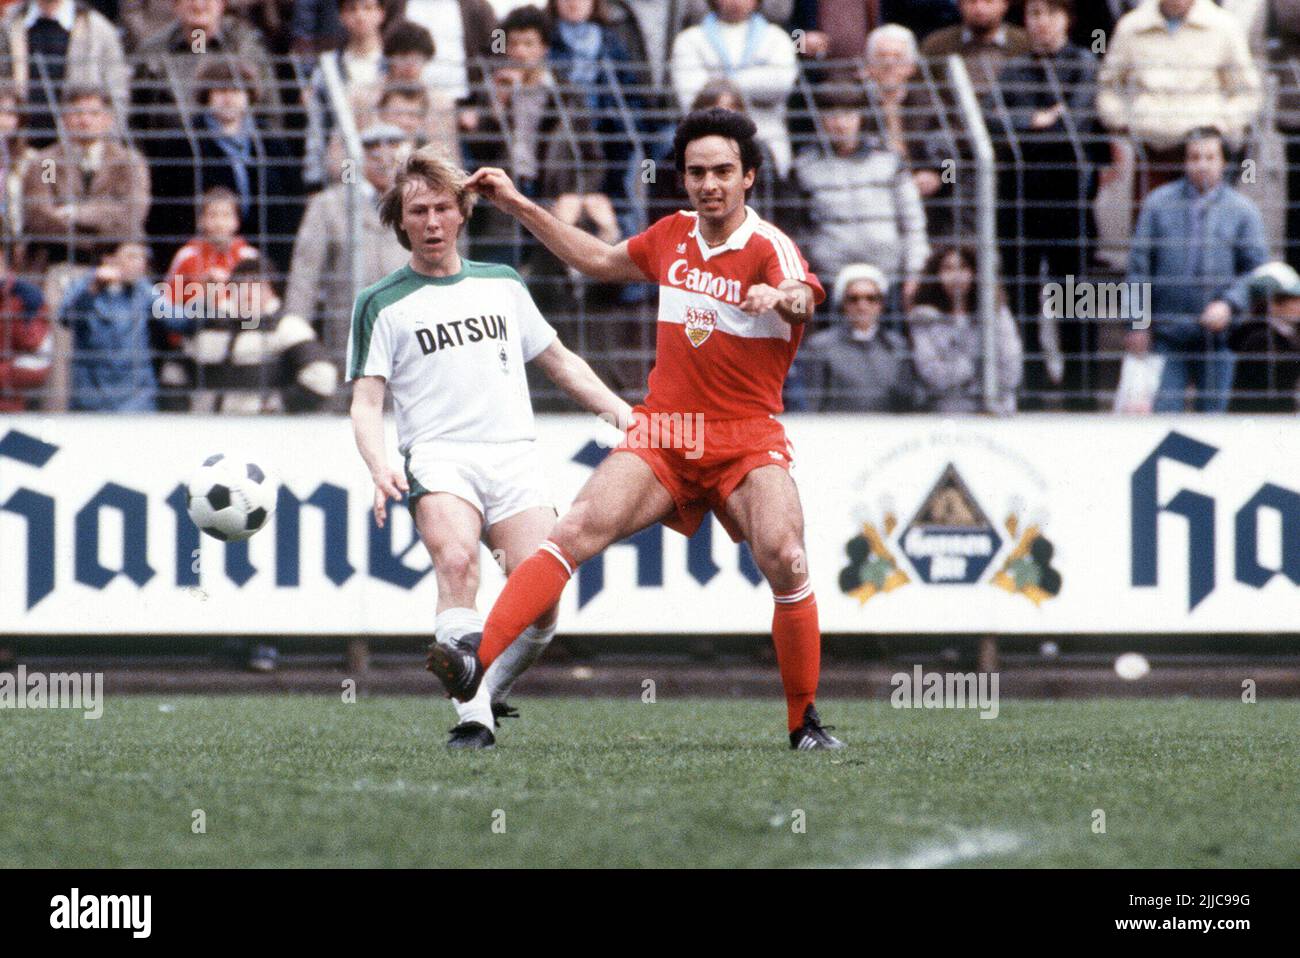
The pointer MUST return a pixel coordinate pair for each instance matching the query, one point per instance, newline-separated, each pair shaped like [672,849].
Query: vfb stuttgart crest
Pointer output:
[700,324]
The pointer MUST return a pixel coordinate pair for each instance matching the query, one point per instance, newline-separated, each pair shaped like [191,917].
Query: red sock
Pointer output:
[532,588]
[798,641]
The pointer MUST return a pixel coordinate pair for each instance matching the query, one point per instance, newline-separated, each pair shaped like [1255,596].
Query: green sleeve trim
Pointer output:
[366,311]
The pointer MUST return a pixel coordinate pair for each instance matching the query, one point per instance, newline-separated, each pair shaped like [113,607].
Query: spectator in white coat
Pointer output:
[734,41]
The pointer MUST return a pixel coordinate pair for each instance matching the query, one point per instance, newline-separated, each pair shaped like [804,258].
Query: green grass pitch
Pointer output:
[312,781]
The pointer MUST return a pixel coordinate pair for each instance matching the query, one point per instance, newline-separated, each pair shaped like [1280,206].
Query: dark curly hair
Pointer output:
[717,122]
[404,37]
[527,18]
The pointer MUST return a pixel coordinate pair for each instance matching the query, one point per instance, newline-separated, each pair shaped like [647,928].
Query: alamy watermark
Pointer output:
[21,689]
[663,430]
[1130,302]
[945,690]
[75,911]
[210,299]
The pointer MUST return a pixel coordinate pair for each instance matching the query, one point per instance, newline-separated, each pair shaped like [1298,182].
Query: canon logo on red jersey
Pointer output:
[702,281]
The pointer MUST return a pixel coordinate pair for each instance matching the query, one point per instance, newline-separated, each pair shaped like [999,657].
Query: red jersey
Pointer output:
[711,357]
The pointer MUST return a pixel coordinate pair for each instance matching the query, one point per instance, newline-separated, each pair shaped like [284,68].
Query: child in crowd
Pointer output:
[110,313]
[210,257]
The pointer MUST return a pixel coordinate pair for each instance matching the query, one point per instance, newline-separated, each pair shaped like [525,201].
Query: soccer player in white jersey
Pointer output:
[450,337]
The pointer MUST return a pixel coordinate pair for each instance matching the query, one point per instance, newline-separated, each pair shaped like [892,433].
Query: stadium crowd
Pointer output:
[176,181]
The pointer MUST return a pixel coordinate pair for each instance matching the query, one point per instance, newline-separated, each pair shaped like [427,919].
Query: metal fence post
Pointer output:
[342,109]
[985,221]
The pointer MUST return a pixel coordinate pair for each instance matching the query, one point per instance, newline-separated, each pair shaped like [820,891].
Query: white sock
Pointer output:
[515,660]
[453,624]
[478,709]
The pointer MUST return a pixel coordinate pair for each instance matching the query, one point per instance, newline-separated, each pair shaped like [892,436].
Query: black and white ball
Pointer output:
[230,498]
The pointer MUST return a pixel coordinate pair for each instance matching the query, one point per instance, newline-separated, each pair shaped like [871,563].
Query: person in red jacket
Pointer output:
[25,344]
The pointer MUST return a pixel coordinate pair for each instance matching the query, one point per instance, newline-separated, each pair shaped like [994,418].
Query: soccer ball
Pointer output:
[230,499]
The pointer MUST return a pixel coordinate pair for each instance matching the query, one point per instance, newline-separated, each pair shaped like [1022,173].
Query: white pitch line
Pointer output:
[966,848]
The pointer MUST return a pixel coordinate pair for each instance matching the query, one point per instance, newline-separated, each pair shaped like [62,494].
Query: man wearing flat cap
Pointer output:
[320,286]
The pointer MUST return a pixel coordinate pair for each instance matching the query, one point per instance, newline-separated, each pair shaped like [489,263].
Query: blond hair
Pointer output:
[431,166]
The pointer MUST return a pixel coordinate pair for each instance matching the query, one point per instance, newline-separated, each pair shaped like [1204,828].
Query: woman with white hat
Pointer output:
[857,365]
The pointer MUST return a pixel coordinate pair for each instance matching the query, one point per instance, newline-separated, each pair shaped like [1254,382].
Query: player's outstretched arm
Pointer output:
[571,373]
[368,430]
[579,249]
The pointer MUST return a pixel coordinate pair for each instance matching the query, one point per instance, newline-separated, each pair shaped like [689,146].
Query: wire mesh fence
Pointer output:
[119,198]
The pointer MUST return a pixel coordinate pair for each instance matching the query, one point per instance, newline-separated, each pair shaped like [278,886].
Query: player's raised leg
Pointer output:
[450,528]
[766,507]
[515,539]
[621,497]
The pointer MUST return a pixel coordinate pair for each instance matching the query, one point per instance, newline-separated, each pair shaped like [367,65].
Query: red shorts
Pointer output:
[702,464]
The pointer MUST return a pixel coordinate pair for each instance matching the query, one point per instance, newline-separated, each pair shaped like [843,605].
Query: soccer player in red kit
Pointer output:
[734,296]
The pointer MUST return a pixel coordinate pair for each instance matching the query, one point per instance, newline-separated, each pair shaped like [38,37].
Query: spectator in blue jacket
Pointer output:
[1197,239]
[580,40]
[109,313]
[589,56]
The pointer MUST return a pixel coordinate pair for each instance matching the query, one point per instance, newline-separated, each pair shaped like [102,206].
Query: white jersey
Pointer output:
[452,349]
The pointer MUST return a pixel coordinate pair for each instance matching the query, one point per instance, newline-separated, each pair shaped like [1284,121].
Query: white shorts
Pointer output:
[499,479]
